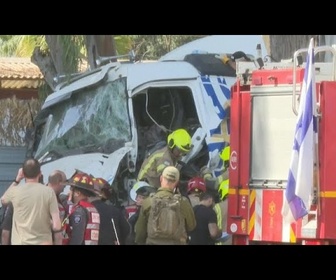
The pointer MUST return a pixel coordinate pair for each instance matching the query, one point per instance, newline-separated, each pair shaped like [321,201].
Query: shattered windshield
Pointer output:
[92,120]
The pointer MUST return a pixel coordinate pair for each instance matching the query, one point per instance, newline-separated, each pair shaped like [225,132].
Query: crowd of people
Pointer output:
[39,214]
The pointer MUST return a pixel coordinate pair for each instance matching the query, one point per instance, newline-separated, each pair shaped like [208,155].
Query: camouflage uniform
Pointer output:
[141,224]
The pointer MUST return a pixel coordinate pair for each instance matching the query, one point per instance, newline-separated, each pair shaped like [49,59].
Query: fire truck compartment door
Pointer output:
[273,127]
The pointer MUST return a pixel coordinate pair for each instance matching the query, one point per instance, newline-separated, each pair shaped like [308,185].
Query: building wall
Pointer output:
[11,159]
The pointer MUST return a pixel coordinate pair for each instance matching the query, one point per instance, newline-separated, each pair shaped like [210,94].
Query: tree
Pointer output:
[60,56]
[284,46]
[155,46]
[21,45]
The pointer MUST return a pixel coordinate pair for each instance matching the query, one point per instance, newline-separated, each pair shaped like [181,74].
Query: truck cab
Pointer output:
[106,121]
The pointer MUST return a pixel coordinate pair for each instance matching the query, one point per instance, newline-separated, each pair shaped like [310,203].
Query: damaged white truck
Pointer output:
[101,122]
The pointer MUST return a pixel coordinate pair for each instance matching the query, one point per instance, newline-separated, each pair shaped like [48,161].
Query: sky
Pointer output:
[219,44]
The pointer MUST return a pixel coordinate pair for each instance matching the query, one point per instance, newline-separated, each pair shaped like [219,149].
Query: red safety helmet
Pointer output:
[196,184]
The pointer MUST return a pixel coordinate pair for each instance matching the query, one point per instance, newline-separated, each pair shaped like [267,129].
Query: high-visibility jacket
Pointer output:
[91,234]
[221,210]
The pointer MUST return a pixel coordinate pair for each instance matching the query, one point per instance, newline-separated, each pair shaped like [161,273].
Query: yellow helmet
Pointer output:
[223,189]
[225,154]
[181,139]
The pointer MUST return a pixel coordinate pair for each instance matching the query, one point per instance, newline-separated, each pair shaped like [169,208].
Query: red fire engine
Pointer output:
[263,120]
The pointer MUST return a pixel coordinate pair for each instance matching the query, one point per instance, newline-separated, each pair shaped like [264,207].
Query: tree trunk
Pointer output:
[284,46]
[56,52]
[50,64]
[46,65]
[92,52]
[106,45]
[99,46]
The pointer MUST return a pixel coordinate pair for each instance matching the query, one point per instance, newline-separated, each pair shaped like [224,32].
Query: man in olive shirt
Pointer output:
[169,180]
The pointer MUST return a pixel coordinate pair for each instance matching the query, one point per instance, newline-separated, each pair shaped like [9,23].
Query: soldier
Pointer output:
[165,218]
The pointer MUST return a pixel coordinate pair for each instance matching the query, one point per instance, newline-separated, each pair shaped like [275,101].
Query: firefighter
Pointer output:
[212,182]
[83,221]
[196,186]
[221,207]
[225,157]
[114,228]
[178,145]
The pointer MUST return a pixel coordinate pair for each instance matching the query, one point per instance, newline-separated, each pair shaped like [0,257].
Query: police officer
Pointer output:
[83,221]
[178,145]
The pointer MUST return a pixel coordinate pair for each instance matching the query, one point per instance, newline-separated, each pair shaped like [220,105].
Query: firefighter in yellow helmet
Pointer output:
[221,208]
[178,145]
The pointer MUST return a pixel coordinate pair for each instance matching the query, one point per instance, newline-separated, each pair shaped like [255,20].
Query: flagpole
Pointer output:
[317,154]
[317,163]
[316,167]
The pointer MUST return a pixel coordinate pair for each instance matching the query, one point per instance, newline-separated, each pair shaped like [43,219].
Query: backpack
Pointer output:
[165,219]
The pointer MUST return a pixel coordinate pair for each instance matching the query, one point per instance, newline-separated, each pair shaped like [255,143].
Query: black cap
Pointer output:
[145,191]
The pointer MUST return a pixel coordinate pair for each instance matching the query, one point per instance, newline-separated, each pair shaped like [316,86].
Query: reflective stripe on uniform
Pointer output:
[93,226]
[160,168]
[218,211]
[149,165]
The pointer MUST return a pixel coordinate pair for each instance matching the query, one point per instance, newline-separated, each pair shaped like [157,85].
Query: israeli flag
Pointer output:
[300,175]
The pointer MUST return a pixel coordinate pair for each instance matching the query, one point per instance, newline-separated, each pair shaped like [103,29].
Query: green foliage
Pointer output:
[21,45]
[123,44]
[72,47]
[152,47]
[145,46]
